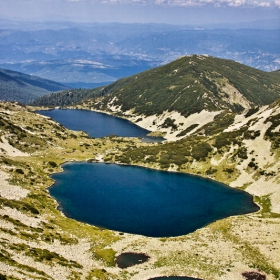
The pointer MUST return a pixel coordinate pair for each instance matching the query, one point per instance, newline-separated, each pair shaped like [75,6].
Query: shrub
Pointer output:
[210,171]
[169,123]
[201,150]
[52,164]
[242,153]
[221,141]
[252,164]
[229,170]
[251,112]
[251,134]
[188,129]
[20,171]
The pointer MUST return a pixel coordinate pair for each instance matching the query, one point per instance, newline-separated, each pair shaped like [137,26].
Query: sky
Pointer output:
[142,11]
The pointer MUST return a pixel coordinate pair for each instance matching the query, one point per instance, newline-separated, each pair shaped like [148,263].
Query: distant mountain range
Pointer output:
[88,54]
[59,24]
[16,86]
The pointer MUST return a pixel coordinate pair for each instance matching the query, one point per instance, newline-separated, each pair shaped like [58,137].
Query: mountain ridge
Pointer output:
[194,69]
[97,53]
[193,77]
[170,98]
[24,88]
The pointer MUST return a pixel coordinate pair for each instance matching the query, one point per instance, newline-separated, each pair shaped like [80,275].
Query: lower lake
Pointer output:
[144,201]
[97,124]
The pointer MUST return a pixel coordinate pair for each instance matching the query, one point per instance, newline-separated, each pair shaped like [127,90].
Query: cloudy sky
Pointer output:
[160,11]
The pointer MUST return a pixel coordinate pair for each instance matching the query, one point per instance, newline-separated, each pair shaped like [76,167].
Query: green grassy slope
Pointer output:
[191,84]
[187,85]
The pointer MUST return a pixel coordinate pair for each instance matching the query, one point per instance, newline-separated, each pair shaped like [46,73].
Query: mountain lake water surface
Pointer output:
[97,124]
[134,199]
[144,201]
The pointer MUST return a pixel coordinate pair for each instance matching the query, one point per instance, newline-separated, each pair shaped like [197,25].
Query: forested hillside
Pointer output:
[16,86]
[65,97]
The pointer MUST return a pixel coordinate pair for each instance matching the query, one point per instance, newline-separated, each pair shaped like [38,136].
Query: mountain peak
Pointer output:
[191,84]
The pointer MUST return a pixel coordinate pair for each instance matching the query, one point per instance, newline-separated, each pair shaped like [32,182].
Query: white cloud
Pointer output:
[184,3]
[237,3]
[163,11]
[121,1]
[218,3]
[262,4]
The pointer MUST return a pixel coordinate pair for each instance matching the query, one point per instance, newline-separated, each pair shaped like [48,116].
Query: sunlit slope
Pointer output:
[38,241]
[191,84]
[186,85]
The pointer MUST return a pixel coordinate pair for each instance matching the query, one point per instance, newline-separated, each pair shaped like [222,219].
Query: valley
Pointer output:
[222,250]
[217,125]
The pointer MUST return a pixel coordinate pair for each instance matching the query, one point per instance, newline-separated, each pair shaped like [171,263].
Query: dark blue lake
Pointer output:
[97,124]
[144,201]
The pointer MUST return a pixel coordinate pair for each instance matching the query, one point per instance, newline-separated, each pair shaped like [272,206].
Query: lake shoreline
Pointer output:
[194,178]
[146,166]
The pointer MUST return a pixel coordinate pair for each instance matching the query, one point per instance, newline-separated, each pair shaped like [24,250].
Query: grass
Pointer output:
[19,205]
[6,257]
[100,274]
[44,255]
[105,255]
[265,204]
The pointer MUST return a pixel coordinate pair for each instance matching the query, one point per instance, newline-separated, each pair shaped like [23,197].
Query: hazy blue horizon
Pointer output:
[262,23]
[143,11]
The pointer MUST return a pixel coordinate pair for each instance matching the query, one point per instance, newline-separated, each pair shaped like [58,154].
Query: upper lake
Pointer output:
[97,124]
[144,201]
